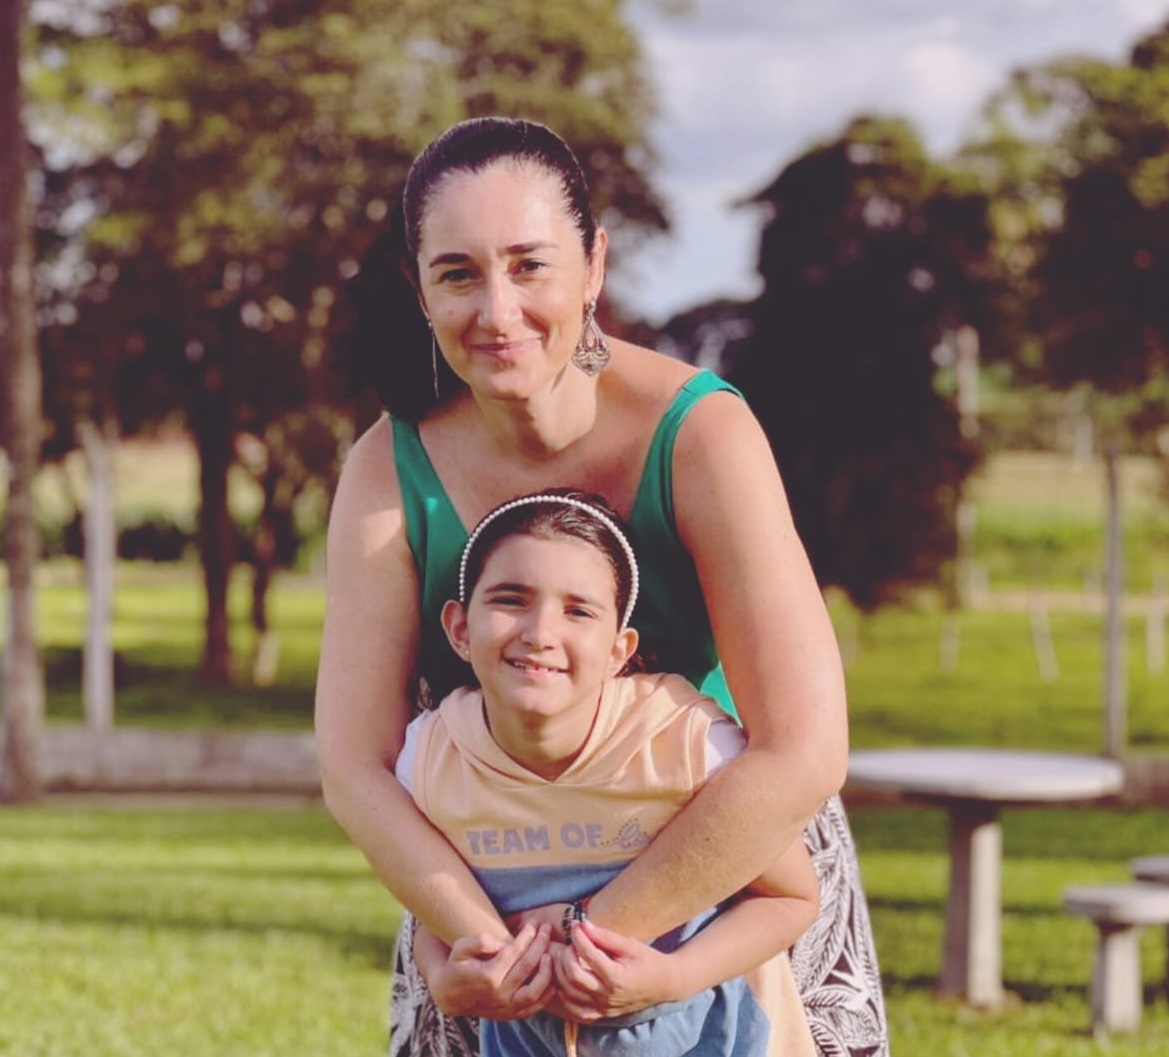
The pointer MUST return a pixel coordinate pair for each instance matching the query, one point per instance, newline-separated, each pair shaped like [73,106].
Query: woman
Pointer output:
[525,393]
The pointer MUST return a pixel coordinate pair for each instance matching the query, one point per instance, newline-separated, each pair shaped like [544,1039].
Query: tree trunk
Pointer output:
[264,548]
[1115,691]
[97,680]
[267,658]
[211,425]
[20,378]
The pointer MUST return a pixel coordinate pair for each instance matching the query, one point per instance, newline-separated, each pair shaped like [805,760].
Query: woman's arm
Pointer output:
[362,700]
[606,973]
[766,919]
[783,667]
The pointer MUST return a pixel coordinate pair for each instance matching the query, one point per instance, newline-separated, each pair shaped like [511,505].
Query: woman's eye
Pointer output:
[455,275]
[530,266]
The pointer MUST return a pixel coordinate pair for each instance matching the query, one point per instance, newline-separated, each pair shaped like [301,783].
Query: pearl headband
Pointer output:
[578,504]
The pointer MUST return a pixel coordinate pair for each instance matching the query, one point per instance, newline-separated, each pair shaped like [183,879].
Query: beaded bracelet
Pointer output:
[575,912]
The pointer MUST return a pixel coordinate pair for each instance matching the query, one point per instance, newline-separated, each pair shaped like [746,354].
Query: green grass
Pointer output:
[145,932]
[200,932]
[1040,520]
[158,639]
[901,693]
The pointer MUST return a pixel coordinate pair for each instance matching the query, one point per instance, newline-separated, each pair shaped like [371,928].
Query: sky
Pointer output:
[745,86]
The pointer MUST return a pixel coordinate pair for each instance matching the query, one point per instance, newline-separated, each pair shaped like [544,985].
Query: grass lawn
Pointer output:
[189,932]
[158,639]
[901,693]
[1040,521]
[244,933]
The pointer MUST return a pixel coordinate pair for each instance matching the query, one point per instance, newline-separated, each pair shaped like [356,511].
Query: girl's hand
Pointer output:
[551,914]
[604,974]
[501,980]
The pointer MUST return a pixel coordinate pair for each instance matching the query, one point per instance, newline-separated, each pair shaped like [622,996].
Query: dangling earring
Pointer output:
[591,354]
[433,357]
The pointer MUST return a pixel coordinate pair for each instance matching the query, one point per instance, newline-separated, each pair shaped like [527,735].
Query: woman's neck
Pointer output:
[544,425]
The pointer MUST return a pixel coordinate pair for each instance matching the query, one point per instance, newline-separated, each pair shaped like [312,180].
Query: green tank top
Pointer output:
[670,616]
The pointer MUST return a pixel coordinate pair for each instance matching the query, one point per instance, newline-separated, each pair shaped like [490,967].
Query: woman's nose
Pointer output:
[499,304]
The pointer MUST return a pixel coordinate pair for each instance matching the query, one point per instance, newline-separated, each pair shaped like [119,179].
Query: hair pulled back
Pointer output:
[478,143]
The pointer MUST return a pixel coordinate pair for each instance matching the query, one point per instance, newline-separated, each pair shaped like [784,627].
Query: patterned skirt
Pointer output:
[834,964]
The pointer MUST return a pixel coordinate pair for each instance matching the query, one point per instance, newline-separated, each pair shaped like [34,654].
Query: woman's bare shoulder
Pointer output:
[724,463]
[373,448]
[369,463]
[368,500]
[644,378]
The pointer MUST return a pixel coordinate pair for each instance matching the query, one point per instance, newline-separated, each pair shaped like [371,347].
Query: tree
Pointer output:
[248,158]
[872,259]
[1097,266]
[23,679]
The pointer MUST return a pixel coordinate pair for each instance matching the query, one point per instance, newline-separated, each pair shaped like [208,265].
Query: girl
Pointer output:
[551,775]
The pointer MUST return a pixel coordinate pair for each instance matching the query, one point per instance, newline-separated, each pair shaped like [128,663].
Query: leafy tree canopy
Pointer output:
[1090,212]
[205,155]
[871,257]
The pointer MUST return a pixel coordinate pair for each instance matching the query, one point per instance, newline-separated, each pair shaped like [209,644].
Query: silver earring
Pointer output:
[434,360]
[591,354]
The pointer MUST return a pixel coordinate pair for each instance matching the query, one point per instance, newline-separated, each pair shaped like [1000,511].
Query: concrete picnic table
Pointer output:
[974,785]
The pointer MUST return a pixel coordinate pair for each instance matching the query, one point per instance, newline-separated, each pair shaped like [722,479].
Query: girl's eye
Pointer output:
[580,611]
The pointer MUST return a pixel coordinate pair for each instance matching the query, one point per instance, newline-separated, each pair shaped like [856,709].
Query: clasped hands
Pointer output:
[598,974]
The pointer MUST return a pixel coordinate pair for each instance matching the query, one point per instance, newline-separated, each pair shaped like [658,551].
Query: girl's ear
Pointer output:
[454,623]
[624,647]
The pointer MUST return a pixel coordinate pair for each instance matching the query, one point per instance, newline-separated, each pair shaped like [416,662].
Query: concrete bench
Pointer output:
[1119,912]
[1155,870]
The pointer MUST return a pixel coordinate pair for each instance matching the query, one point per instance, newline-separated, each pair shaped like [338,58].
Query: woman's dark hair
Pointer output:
[386,342]
[383,341]
[474,145]
[551,520]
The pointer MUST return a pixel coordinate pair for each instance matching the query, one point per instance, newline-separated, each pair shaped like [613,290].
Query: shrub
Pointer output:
[155,539]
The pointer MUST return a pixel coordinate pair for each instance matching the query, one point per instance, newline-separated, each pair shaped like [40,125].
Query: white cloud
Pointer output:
[1143,12]
[746,87]
[944,85]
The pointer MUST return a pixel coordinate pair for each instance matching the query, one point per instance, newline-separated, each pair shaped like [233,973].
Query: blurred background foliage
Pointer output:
[214,184]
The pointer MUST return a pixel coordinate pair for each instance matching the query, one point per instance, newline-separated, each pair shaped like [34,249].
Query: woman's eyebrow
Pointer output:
[520,248]
[448,258]
[517,249]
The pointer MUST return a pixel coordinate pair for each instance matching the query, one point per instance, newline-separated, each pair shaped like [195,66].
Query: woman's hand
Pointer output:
[485,977]
[604,974]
